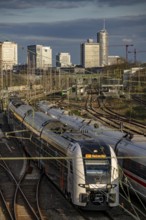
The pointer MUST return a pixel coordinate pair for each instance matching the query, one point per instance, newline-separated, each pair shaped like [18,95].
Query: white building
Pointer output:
[39,57]
[90,54]
[8,55]
[102,39]
[113,60]
[63,60]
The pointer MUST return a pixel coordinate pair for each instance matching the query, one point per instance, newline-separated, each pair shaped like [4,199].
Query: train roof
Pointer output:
[82,138]
[94,128]
[17,102]
[24,109]
[88,144]
[38,119]
[134,149]
[77,136]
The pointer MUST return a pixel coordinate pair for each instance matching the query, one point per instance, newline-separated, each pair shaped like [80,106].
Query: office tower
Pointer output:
[102,39]
[39,57]
[8,55]
[63,60]
[90,54]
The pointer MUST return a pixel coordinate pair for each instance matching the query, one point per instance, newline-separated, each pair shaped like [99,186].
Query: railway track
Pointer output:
[132,202]
[136,208]
[106,116]
[119,117]
[13,173]
[8,167]
[24,192]
[139,100]
[19,201]
[112,119]
[25,204]
[31,186]
[98,110]
[71,212]
[6,198]
[14,192]
[57,206]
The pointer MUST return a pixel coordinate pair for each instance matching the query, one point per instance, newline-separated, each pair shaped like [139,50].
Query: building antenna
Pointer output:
[104,24]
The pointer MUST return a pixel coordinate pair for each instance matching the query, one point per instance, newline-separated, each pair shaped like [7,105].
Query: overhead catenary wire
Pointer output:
[69,158]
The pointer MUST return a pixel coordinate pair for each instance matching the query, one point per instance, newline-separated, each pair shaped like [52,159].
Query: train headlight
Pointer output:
[110,186]
[84,185]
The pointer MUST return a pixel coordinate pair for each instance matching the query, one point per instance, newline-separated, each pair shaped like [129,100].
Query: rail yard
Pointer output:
[72,157]
[33,195]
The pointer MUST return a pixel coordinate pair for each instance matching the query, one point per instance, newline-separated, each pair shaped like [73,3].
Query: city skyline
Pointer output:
[64,25]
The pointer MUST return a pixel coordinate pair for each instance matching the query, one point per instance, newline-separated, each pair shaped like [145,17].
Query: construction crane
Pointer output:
[135,53]
[126,48]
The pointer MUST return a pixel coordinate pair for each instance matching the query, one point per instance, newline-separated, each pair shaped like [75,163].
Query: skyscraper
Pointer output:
[102,39]
[8,55]
[63,60]
[90,54]
[39,57]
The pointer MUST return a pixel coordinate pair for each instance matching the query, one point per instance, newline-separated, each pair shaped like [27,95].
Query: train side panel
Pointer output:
[133,166]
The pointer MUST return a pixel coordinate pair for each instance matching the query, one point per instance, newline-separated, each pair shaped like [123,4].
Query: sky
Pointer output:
[65,24]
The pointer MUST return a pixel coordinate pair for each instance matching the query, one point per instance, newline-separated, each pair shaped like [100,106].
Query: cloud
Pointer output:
[114,3]
[128,26]
[67,35]
[71,29]
[78,29]
[27,4]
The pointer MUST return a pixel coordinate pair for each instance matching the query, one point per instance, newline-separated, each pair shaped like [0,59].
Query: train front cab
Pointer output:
[93,183]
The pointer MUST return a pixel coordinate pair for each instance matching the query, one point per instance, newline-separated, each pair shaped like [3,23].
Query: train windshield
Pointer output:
[97,171]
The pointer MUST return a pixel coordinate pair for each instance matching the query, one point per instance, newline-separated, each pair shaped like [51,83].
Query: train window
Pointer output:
[96,166]
[135,167]
[97,171]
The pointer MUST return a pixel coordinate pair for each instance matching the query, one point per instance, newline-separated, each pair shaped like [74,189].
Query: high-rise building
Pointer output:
[63,60]
[8,55]
[39,57]
[90,54]
[102,39]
